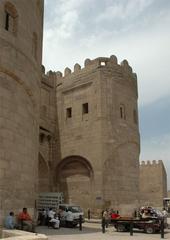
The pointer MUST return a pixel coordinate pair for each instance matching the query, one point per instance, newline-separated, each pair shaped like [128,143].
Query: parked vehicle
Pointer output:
[149,220]
[148,225]
[70,215]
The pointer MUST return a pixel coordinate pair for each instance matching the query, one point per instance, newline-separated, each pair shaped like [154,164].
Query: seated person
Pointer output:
[55,222]
[146,214]
[26,220]
[10,221]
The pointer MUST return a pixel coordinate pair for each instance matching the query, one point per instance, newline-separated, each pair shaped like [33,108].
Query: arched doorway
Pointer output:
[43,175]
[75,180]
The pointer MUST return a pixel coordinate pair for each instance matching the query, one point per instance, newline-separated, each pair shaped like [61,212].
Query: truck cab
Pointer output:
[70,214]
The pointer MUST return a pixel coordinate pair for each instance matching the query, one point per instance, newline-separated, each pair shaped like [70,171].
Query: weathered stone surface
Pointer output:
[153,183]
[20,76]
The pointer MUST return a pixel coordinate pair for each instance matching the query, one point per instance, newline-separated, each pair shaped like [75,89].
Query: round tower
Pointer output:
[21,32]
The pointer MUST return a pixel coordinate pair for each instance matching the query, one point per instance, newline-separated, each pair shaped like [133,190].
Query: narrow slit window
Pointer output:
[135,118]
[7,21]
[69,112]
[10,18]
[85,108]
[122,112]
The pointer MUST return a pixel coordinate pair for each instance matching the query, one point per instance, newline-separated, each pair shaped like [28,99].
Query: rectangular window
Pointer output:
[69,112]
[85,108]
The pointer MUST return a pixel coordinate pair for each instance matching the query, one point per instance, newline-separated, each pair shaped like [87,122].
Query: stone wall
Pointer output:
[48,135]
[99,135]
[21,25]
[153,183]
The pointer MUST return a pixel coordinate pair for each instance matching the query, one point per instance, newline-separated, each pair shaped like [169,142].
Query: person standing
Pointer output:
[88,214]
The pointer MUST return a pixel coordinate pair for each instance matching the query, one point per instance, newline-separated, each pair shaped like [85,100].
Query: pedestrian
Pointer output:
[88,214]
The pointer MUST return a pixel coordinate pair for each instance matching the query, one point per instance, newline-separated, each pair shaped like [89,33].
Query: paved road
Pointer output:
[92,231]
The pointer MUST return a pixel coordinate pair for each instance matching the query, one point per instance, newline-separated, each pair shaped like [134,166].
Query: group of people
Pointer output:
[49,217]
[22,221]
[149,212]
[109,214]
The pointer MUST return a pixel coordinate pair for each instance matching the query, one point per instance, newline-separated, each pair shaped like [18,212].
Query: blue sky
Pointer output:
[136,30]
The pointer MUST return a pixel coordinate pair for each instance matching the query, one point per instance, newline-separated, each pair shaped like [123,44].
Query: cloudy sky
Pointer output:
[136,30]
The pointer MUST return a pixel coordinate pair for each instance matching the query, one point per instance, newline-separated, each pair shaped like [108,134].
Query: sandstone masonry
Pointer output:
[77,133]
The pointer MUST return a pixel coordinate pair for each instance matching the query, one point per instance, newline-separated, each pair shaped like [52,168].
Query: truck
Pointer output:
[149,226]
[70,215]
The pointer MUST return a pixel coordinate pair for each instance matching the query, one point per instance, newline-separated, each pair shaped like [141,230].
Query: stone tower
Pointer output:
[21,26]
[99,135]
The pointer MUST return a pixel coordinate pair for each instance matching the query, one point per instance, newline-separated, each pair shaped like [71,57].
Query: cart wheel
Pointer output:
[121,228]
[149,229]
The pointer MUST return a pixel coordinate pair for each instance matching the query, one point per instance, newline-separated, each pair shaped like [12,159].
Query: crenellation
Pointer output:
[123,69]
[151,163]
[59,74]
[42,69]
[77,68]
[113,59]
[67,72]
[87,62]
[135,76]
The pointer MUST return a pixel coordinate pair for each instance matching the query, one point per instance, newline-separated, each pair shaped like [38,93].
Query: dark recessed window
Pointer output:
[135,117]
[85,108]
[69,112]
[11,18]
[122,112]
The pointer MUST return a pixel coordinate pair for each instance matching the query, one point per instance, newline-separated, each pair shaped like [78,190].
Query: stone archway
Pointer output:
[75,180]
[43,175]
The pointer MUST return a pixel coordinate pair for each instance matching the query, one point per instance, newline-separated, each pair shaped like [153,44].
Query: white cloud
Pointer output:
[143,41]
[123,10]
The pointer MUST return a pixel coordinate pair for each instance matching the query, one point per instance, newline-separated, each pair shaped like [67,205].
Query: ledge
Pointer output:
[21,235]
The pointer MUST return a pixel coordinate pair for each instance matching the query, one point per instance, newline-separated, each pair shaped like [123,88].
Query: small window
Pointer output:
[85,108]
[122,112]
[135,117]
[10,18]
[69,112]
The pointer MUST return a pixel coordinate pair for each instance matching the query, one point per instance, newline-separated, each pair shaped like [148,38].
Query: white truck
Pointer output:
[70,215]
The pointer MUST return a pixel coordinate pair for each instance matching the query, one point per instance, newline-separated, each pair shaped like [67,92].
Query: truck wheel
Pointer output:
[121,228]
[149,229]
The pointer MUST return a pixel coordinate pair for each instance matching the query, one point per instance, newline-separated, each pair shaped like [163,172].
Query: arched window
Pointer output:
[34,45]
[11,18]
[122,112]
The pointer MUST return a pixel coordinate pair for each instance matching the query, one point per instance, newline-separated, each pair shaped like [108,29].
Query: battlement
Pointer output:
[99,62]
[48,78]
[151,163]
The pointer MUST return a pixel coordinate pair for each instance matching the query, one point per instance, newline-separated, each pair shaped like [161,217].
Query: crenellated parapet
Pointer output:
[100,62]
[151,163]
[48,78]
